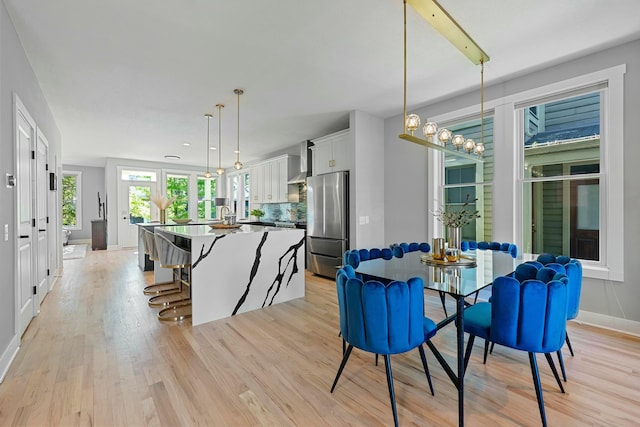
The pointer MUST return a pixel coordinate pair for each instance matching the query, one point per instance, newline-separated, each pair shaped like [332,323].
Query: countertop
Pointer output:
[204,230]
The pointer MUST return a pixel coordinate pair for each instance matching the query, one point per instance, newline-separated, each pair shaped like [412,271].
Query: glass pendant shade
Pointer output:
[458,141]
[238,165]
[479,150]
[444,136]
[469,145]
[430,129]
[412,122]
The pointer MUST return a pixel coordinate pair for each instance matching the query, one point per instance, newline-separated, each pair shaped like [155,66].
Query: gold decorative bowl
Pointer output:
[182,221]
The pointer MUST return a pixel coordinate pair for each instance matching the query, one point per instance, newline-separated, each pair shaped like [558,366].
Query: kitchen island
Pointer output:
[241,269]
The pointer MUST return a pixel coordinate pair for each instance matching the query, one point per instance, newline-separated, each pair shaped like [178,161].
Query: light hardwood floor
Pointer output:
[97,355]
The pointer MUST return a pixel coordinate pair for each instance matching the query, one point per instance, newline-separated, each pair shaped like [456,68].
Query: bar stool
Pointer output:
[173,256]
[151,250]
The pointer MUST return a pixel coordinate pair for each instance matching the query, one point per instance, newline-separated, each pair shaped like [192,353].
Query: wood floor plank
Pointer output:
[97,356]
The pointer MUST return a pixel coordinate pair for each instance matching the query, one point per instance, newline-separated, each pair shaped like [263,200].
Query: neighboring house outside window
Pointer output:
[71,200]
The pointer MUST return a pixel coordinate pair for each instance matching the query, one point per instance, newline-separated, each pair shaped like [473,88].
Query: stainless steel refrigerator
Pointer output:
[327,222]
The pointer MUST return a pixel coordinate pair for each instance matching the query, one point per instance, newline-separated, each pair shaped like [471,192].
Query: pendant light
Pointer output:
[238,164]
[207,173]
[220,169]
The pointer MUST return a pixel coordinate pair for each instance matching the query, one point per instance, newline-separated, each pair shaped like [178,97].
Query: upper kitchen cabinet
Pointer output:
[331,153]
[269,179]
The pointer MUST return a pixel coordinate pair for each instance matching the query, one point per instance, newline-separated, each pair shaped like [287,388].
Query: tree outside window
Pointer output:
[71,206]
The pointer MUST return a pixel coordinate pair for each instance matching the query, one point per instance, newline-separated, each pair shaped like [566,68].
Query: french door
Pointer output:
[135,207]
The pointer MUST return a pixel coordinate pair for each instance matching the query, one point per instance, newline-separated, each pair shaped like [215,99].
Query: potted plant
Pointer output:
[258,213]
[455,219]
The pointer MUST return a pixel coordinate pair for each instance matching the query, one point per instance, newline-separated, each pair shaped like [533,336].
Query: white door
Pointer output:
[135,206]
[25,286]
[42,216]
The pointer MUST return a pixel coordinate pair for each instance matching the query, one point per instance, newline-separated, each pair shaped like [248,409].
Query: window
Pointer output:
[206,198]
[71,201]
[239,191]
[561,185]
[569,137]
[467,179]
[178,187]
[558,181]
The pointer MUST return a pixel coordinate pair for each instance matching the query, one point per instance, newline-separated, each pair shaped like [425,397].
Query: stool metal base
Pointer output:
[168,299]
[162,288]
[176,312]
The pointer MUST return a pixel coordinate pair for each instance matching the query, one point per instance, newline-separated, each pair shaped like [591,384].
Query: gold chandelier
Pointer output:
[433,13]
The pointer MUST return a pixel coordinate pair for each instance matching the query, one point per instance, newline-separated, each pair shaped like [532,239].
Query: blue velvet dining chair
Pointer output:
[383,319]
[573,269]
[375,253]
[398,250]
[424,247]
[386,254]
[364,254]
[413,247]
[530,316]
[352,258]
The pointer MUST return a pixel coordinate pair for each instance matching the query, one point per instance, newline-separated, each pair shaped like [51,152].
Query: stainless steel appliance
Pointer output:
[327,222]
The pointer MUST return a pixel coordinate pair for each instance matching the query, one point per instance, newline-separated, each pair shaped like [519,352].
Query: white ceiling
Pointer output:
[133,79]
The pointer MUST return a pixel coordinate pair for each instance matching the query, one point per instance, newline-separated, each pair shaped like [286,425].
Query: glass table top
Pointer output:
[454,279]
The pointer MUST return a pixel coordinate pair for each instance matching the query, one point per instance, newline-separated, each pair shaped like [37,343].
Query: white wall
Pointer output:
[366,185]
[17,76]
[613,304]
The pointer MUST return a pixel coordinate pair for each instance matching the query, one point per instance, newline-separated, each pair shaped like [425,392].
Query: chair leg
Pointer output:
[376,359]
[561,362]
[344,346]
[566,339]
[426,368]
[467,353]
[345,357]
[392,394]
[486,351]
[554,370]
[491,350]
[536,383]
[443,306]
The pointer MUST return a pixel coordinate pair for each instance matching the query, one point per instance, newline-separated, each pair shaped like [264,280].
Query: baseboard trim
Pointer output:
[80,242]
[617,324]
[8,355]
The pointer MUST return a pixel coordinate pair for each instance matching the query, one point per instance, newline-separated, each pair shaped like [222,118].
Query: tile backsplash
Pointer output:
[287,211]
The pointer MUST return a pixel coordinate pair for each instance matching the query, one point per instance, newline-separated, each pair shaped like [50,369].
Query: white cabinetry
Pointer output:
[269,179]
[331,153]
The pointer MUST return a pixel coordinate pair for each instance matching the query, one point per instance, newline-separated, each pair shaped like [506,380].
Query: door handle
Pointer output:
[42,229]
[24,236]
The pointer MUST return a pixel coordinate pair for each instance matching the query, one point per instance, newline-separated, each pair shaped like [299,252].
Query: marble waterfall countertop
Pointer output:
[241,269]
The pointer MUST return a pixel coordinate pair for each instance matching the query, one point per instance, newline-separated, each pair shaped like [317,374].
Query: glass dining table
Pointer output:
[475,271]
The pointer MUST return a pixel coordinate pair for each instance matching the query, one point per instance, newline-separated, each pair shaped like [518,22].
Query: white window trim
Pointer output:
[507,154]
[78,175]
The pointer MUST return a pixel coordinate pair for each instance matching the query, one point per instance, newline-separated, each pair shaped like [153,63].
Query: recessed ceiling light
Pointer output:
[172,157]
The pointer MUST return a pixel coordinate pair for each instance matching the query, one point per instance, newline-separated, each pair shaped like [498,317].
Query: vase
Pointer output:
[454,234]
[163,216]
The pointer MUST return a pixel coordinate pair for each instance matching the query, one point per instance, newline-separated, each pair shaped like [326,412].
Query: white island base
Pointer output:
[239,270]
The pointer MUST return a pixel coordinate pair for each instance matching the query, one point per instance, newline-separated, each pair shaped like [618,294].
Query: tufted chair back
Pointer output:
[530,316]
[382,319]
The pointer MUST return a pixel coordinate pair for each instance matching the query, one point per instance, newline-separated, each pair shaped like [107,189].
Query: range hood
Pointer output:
[305,164]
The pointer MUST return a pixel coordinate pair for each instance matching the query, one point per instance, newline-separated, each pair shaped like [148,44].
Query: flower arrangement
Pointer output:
[457,217]
[161,201]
